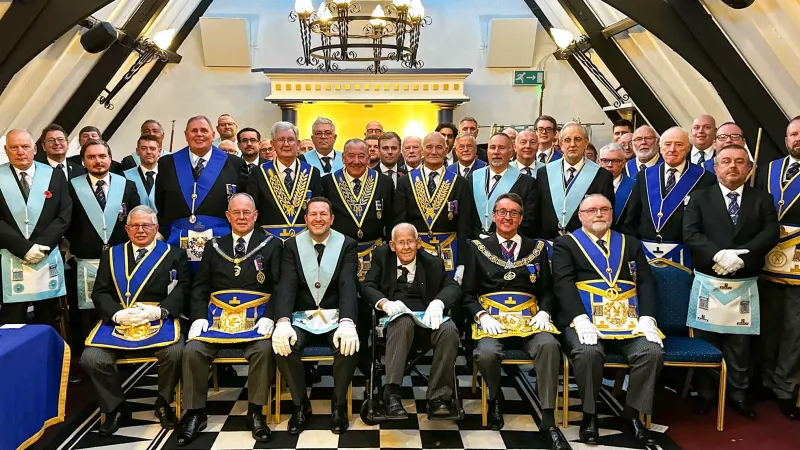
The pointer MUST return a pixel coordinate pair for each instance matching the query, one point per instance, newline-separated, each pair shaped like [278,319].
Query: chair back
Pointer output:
[673,286]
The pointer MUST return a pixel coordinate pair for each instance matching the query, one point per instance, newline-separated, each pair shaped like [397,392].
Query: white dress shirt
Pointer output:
[350,179]
[461,167]
[246,238]
[517,239]
[427,173]
[450,157]
[606,237]
[726,191]
[617,182]
[412,269]
[383,170]
[709,153]
[93,181]
[324,241]
[281,169]
[522,167]
[492,180]
[792,160]
[565,167]
[665,170]
[29,172]
[205,158]
[154,170]
[650,163]
[136,248]
[64,168]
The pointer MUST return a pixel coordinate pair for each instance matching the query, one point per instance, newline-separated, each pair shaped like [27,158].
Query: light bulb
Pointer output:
[324,14]
[562,37]
[303,7]
[377,17]
[402,3]
[164,38]
[415,9]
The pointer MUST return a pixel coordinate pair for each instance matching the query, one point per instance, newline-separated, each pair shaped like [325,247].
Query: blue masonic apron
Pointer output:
[484,200]
[443,245]
[313,158]
[724,305]
[290,204]
[566,199]
[781,262]
[23,282]
[622,196]
[146,199]
[318,276]
[130,283]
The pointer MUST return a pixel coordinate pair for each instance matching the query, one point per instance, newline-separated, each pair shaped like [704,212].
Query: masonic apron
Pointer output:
[724,306]
[443,245]
[290,204]
[318,276]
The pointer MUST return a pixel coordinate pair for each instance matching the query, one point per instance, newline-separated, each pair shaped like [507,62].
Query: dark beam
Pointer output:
[155,71]
[27,28]
[107,66]
[587,81]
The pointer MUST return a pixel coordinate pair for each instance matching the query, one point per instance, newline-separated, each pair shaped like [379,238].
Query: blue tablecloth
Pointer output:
[34,365]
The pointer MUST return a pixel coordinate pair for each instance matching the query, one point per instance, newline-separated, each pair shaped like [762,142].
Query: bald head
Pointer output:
[704,130]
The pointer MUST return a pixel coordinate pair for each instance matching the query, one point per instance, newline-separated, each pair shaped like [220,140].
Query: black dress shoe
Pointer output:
[789,408]
[394,408]
[639,432]
[588,432]
[114,420]
[556,440]
[192,425]
[495,420]
[258,426]
[75,379]
[165,414]
[438,408]
[300,418]
[743,408]
[339,422]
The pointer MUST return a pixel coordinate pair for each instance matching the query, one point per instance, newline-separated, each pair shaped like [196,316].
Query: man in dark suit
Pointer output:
[612,158]
[546,128]
[498,178]
[150,127]
[508,277]
[449,131]
[193,188]
[467,161]
[729,228]
[389,152]
[525,147]
[468,125]
[281,187]
[239,270]
[92,133]
[247,140]
[159,286]
[55,144]
[607,271]
[412,288]
[563,183]
[317,301]
[144,175]
[35,210]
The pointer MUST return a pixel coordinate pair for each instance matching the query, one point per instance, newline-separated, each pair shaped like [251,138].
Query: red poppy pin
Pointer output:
[48,194]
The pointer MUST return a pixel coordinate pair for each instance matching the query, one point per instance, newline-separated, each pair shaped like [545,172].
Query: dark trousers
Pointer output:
[81,321]
[780,337]
[98,363]
[736,351]
[291,367]
[44,312]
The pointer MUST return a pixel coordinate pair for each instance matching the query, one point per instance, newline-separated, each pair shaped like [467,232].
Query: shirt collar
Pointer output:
[492,173]
[324,242]
[412,266]
[606,237]
[681,167]
[726,191]
[793,160]
[282,169]
[149,247]
[427,172]
[53,163]
[205,157]
[462,167]
[709,152]
[145,170]
[617,181]
[503,240]
[350,179]
[578,166]
[30,170]
[384,168]
[246,238]
[93,181]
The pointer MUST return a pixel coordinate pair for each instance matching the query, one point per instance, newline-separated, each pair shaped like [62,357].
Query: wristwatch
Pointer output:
[164,313]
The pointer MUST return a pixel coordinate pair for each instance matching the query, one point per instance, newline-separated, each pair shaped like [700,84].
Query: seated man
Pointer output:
[317,301]
[230,306]
[155,279]
[508,295]
[412,287]
[607,290]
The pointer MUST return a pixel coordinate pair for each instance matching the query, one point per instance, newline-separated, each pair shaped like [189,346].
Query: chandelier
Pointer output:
[391,33]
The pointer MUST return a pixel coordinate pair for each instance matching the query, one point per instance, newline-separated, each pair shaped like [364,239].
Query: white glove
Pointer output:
[490,325]
[152,312]
[541,321]
[130,317]
[198,326]
[729,260]
[264,326]
[393,307]
[434,314]
[346,338]
[283,337]
[36,254]
[647,327]
[587,332]
[459,275]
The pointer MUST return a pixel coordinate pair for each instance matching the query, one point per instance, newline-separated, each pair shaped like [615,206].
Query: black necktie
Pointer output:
[527,171]
[403,278]
[701,159]
[466,172]
[356,187]
[59,166]
[571,171]
[432,183]
[542,157]
[670,180]
[602,244]
[101,196]
[496,179]
[389,174]
[149,180]
[792,171]
[140,254]
[287,180]
[326,163]
[250,168]
[25,185]
[642,166]
[320,250]
[197,170]
[733,208]
[240,248]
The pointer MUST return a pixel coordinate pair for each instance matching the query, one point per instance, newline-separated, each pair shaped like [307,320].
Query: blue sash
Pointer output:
[26,215]
[718,305]
[622,195]
[709,166]
[484,201]
[322,272]
[431,207]
[783,196]
[147,200]
[555,155]
[357,206]
[313,158]
[290,204]
[138,159]
[632,166]
[567,199]
[233,315]
[443,245]
[608,268]
[661,209]
[103,220]
[195,192]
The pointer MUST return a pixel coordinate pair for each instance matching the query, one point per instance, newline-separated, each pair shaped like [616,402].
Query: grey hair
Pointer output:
[647,127]
[573,124]
[593,196]
[404,226]
[353,141]
[612,147]
[674,128]
[242,194]
[143,210]
[198,117]
[467,136]
[280,126]
[22,130]
[412,137]
[323,121]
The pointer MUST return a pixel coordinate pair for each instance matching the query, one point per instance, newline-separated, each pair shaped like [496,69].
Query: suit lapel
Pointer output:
[493,245]
[721,205]
[746,206]
[420,278]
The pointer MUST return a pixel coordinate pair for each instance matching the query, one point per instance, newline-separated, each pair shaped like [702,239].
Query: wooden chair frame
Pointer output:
[215,382]
[309,359]
[152,359]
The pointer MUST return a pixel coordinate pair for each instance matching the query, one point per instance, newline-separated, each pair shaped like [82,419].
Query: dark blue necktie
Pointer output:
[792,171]
[287,180]
[432,183]
[140,254]
[101,196]
[240,248]
[356,187]
[670,181]
[197,170]
[733,208]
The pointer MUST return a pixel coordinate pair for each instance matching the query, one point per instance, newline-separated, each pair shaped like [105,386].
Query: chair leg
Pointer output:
[648,421]
[350,402]
[214,379]
[178,388]
[687,383]
[474,377]
[277,396]
[565,409]
[619,382]
[723,380]
[484,404]
[266,409]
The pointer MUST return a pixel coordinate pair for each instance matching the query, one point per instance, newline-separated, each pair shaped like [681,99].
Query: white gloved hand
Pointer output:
[283,337]
[719,270]
[346,338]
[490,325]
[541,321]
[393,307]
[264,326]
[152,312]
[729,260]
[130,317]
[459,275]
[36,254]
[198,326]
[587,332]
[647,326]
[434,314]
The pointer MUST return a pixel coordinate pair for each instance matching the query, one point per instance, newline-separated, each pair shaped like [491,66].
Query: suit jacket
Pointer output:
[638,221]
[128,163]
[373,227]
[169,198]
[293,293]
[483,152]
[526,187]
[216,273]
[603,183]
[84,241]
[479,164]
[483,276]
[432,279]
[406,210]
[626,204]
[106,298]
[570,265]
[268,211]
[708,228]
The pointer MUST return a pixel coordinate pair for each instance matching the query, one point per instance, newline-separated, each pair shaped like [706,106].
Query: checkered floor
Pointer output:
[227,428]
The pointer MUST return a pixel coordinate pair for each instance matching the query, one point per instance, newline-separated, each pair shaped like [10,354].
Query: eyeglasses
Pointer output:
[576,139]
[245,213]
[323,133]
[640,139]
[513,213]
[725,137]
[60,140]
[606,161]
[285,140]
[249,141]
[406,243]
[593,211]
[141,226]
[545,129]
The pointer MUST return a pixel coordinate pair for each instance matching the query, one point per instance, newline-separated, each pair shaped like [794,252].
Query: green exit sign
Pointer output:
[528,78]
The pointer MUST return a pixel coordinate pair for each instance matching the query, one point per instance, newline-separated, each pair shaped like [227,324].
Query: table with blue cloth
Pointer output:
[34,365]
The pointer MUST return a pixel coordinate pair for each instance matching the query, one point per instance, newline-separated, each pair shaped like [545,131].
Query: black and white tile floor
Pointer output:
[227,428]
